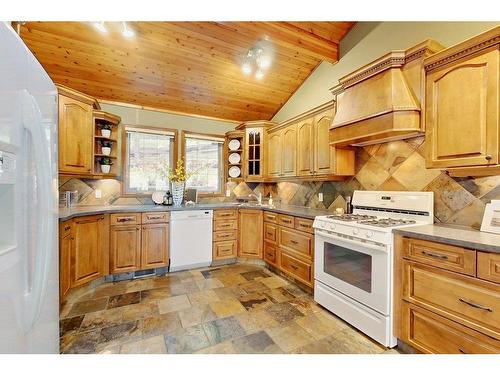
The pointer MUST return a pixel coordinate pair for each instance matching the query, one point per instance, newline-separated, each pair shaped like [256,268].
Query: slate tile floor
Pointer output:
[240,308]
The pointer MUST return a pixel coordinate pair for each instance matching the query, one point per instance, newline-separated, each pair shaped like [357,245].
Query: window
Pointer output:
[149,154]
[203,157]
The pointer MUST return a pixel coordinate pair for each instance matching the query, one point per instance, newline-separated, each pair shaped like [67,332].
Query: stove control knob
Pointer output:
[369,234]
[355,231]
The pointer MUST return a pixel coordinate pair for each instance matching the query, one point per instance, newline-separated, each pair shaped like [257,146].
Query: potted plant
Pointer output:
[106,147]
[106,130]
[106,164]
[178,178]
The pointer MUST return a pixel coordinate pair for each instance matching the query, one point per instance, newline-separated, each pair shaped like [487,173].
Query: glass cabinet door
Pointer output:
[254,152]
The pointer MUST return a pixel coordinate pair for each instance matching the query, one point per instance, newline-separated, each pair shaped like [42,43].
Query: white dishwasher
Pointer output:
[190,239]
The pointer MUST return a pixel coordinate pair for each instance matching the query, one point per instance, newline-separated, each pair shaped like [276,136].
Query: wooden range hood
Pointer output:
[381,101]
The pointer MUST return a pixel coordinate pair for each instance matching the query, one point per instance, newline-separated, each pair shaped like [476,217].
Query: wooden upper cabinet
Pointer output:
[322,152]
[305,147]
[251,233]
[274,154]
[87,249]
[155,246]
[289,151]
[75,136]
[125,248]
[462,104]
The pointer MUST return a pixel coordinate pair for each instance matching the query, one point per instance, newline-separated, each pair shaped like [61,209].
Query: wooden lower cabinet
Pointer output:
[271,253]
[440,305]
[155,245]
[431,333]
[87,249]
[125,248]
[297,268]
[251,233]
[65,242]
[225,234]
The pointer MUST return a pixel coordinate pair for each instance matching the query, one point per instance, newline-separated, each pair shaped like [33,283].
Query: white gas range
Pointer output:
[354,257]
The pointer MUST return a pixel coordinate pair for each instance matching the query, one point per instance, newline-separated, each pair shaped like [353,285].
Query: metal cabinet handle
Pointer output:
[475,305]
[462,351]
[294,242]
[294,267]
[304,225]
[155,217]
[123,219]
[286,221]
[434,255]
[488,157]
[270,255]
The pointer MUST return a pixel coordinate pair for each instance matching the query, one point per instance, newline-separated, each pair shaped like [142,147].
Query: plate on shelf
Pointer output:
[234,144]
[157,197]
[234,158]
[234,172]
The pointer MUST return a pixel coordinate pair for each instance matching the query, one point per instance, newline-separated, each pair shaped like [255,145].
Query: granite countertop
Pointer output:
[69,213]
[453,235]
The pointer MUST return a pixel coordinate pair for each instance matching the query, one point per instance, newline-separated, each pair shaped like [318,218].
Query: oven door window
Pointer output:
[350,266]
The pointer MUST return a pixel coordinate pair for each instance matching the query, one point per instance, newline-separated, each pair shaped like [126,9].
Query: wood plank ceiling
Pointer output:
[189,67]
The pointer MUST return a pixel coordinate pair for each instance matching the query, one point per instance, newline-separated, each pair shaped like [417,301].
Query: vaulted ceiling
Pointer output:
[190,67]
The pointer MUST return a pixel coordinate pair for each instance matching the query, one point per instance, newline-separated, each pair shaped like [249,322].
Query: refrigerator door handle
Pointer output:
[32,119]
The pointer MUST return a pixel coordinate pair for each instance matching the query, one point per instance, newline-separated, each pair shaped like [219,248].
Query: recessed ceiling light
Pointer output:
[259,74]
[100,26]
[247,69]
[126,32]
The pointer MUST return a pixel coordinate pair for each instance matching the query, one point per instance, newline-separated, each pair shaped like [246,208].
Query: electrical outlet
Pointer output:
[228,193]
[320,197]
[98,193]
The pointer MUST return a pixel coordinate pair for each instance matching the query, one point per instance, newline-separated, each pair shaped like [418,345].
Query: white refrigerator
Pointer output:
[29,282]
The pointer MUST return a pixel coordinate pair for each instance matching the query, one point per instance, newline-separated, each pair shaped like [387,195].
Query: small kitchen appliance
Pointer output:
[354,257]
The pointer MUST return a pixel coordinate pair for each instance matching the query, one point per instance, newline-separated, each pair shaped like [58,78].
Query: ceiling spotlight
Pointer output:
[247,69]
[100,26]
[126,32]
[259,74]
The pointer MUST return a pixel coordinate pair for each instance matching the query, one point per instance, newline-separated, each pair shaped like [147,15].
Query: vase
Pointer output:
[105,168]
[177,193]
[106,133]
[106,150]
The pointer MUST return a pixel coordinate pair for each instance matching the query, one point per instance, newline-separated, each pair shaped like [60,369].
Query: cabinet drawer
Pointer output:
[488,266]
[225,214]
[225,225]
[305,225]
[270,253]
[270,232]
[155,217]
[299,242]
[467,300]
[431,333]
[297,268]
[271,217]
[225,249]
[225,235]
[286,221]
[448,257]
[127,218]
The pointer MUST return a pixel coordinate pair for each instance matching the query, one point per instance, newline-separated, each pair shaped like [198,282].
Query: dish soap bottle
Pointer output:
[270,202]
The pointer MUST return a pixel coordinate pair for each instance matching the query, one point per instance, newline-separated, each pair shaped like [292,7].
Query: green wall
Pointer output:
[366,42]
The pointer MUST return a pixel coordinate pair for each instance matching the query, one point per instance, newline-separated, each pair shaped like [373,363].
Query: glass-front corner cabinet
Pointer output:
[255,143]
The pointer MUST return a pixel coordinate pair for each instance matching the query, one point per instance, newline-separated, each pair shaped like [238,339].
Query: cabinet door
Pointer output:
[154,251]
[125,248]
[65,259]
[304,148]
[87,250]
[254,154]
[251,223]
[274,154]
[462,112]
[289,151]
[323,152]
[75,136]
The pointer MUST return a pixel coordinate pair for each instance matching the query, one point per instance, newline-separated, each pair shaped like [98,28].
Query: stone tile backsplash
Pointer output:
[397,165]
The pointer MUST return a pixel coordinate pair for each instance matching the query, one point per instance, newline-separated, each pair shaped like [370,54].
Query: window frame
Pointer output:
[184,135]
[144,128]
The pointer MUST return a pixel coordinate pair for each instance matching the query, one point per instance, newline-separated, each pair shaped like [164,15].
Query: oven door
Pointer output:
[357,269]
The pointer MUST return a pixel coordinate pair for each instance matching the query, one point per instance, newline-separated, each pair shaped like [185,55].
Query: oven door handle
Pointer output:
[358,243]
